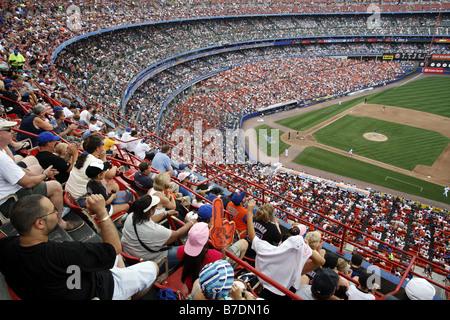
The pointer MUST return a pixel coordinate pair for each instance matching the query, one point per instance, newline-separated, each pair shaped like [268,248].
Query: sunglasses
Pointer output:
[6,130]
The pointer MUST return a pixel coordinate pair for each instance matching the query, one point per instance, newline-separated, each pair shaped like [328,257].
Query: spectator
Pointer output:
[161,162]
[143,177]
[141,149]
[34,122]
[42,270]
[96,172]
[26,91]
[46,157]
[134,141]
[238,213]
[85,115]
[416,289]
[187,196]
[204,213]
[216,282]
[195,254]
[266,227]
[16,59]
[9,96]
[284,264]
[161,189]
[144,237]
[344,268]
[67,132]
[215,192]
[198,198]
[355,264]
[364,290]
[419,289]
[126,136]
[77,182]
[110,142]
[15,180]
[323,286]
[95,125]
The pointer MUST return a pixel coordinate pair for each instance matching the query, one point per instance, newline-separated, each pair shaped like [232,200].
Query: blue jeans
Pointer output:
[172,258]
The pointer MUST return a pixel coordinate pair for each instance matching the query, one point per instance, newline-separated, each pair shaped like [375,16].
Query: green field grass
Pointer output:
[430,95]
[352,168]
[405,148]
[265,144]
[305,121]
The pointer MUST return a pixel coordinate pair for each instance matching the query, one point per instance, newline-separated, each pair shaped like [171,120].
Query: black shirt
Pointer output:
[47,159]
[265,231]
[58,270]
[94,187]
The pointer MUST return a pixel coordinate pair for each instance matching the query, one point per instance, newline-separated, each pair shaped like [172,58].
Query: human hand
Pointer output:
[236,292]
[96,204]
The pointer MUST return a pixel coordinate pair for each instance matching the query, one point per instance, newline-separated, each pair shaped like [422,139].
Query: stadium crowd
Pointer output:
[386,216]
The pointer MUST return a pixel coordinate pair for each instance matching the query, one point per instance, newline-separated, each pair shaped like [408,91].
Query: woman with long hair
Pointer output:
[196,253]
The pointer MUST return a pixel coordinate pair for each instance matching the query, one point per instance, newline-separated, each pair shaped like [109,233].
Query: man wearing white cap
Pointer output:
[419,289]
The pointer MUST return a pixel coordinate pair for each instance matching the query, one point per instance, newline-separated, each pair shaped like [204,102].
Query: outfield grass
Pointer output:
[430,95]
[352,168]
[305,121]
[265,144]
[405,148]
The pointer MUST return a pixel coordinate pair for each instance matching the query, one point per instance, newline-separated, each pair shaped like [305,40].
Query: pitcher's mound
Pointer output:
[372,136]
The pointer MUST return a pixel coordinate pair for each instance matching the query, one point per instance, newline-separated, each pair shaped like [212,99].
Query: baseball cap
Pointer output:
[216,279]
[47,136]
[58,108]
[237,198]
[331,260]
[324,283]
[205,211]
[183,175]
[7,124]
[419,289]
[96,167]
[197,237]
[112,134]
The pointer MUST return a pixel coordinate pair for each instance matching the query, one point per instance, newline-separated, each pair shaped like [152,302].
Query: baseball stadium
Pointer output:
[225,150]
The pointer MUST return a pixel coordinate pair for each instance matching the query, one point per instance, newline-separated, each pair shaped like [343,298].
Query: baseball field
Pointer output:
[399,137]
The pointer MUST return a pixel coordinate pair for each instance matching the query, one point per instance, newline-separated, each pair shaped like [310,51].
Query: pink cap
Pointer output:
[197,237]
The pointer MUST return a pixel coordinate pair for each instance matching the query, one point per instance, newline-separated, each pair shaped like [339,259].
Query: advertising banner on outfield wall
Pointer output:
[440,57]
[404,56]
[433,70]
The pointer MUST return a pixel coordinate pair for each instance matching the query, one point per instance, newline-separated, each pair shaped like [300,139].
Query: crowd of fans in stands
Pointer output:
[399,222]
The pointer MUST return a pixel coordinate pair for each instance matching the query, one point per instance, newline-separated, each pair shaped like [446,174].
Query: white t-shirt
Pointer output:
[131,146]
[77,182]
[152,234]
[85,116]
[10,174]
[283,263]
[353,293]
[93,127]
[126,136]
[140,150]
